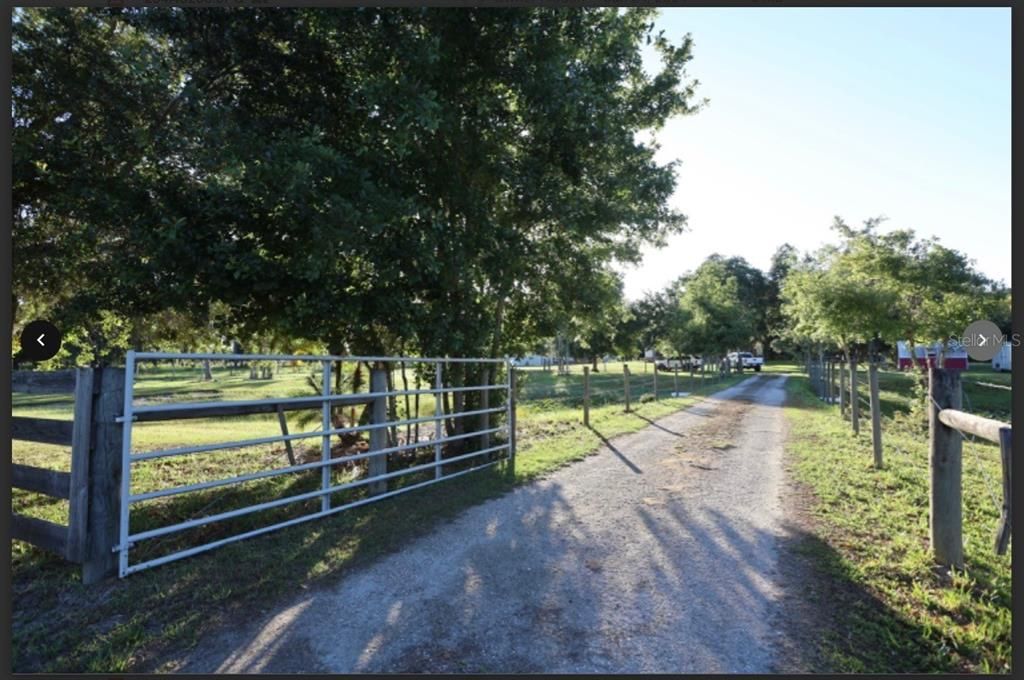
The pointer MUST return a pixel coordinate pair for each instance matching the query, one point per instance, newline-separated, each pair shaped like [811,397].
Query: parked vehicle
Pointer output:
[741,360]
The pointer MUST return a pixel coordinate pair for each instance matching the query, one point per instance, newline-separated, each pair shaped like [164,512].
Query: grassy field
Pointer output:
[898,612]
[121,625]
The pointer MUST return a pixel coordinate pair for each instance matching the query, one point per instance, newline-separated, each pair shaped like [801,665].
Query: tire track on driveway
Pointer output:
[658,554]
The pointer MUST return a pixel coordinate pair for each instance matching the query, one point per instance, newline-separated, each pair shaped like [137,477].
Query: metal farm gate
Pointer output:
[448,455]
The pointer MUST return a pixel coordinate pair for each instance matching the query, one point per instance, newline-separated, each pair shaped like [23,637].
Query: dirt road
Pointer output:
[660,554]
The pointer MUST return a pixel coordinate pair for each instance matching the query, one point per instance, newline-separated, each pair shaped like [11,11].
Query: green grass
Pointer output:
[61,626]
[898,612]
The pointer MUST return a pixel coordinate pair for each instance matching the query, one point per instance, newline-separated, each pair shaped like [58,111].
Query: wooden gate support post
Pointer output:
[81,452]
[102,528]
[945,457]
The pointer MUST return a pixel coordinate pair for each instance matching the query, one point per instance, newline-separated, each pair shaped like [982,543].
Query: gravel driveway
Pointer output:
[660,554]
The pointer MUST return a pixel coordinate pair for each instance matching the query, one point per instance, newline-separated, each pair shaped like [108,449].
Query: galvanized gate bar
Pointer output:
[310,357]
[291,522]
[126,462]
[326,402]
[140,413]
[241,443]
[327,463]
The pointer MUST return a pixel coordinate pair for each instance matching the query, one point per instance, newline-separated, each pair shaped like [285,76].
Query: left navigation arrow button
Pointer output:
[40,340]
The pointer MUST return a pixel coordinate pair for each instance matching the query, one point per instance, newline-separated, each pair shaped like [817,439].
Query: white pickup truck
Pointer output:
[741,360]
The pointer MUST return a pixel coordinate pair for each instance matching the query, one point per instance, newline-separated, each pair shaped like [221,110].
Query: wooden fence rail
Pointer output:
[948,425]
[93,437]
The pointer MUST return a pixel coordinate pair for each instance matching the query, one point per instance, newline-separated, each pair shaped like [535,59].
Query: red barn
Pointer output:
[927,356]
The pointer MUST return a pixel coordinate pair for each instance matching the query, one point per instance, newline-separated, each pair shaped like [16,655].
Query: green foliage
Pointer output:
[883,287]
[372,179]
[713,313]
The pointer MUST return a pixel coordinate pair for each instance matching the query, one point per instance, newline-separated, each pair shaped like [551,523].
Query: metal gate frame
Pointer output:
[327,401]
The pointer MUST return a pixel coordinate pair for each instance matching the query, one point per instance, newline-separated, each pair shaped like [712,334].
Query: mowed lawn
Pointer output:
[60,625]
[894,611]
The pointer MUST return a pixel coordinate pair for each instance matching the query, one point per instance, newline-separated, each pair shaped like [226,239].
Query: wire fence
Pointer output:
[613,384]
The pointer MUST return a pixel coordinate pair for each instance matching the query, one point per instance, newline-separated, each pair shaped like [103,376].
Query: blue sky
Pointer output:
[853,112]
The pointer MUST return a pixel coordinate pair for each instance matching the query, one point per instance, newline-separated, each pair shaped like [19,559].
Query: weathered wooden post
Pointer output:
[655,381]
[1006,453]
[586,396]
[876,413]
[104,475]
[625,383]
[816,375]
[378,465]
[675,380]
[842,389]
[832,391]
[828,379]
[854,398]
[945,460]
[81,450]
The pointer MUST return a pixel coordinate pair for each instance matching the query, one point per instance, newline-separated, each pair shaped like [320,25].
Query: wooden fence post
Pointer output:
[655,381]
[1006,453]
[586,396]
[876,413]
[854,398]
[378,465]
[102,528]
[625,383]
[675,380]
[829,365]
[945,460]
[842,389]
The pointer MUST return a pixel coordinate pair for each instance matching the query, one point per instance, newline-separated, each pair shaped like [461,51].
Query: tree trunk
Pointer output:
[405,388]
[392,406]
